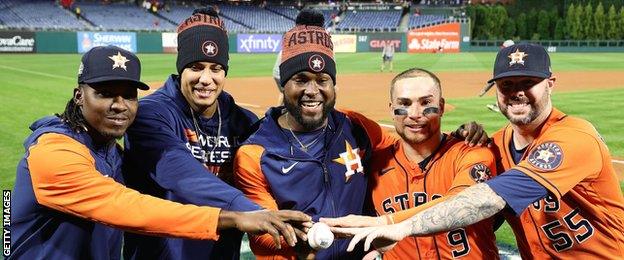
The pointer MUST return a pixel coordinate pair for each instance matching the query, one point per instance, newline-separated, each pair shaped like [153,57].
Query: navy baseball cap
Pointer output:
[108,63]
[524,59]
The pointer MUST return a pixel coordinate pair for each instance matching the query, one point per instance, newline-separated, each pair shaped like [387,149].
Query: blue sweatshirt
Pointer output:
[39,232]
[170,155]
[277,173]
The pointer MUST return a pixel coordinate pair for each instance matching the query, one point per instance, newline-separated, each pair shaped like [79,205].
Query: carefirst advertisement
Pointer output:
[124,40]
[17,42]
[437,38]
[258,43]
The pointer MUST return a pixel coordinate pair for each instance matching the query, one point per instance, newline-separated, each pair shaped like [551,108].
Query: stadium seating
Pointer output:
[371,20]
[178,13]
[288,11]
[19,14]
[256,19]
[119,16]
[416,21]
[37,15]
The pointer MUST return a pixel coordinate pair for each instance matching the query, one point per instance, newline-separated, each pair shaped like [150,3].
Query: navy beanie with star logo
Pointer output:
[202,37]
[307,47]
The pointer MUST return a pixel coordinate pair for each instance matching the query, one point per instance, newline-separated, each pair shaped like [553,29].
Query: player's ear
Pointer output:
[442,102]
[551,83]
[78,95]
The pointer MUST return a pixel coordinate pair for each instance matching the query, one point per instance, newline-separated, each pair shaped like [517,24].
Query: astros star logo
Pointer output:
[480,173]
[352,160]
[316,63]
[210,48]
[546,156]
[119,61]
[517,57]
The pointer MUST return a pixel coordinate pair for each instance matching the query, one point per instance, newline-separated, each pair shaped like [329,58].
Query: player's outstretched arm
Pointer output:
[273,222]
[470,206]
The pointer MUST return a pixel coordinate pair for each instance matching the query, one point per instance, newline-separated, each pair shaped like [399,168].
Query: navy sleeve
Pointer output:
[152,146]
[517,189]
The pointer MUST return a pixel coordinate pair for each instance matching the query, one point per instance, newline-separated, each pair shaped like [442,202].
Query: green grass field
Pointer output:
[35,85]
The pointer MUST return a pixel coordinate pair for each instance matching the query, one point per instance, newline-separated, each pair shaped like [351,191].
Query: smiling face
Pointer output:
[415,94]
[201,83]
[308,98]
[524,100]
[108,108]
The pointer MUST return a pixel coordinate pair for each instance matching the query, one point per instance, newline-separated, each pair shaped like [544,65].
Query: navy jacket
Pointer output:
[334,186]
[38,232]
[171,157]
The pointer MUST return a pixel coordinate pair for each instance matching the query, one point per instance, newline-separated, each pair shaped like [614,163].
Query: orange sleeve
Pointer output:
[379,137]
[563,159]
[474,165]
[249,178]
[64,178]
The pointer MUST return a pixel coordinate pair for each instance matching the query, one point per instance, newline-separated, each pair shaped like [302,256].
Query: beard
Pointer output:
[534,112]
[308,123]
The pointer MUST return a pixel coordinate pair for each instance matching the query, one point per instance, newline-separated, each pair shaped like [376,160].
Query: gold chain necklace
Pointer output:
[303,146]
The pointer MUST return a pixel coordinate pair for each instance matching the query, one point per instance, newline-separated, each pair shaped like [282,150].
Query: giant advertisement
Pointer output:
[374,42]
[344,42]
[251,43]
[124,40]
[170,42]
[437,38]
[17,41]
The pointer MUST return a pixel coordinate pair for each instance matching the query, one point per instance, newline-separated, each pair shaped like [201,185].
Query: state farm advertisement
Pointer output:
[438,38]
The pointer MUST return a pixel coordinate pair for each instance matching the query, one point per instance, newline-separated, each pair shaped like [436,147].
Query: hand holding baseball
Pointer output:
[320,236]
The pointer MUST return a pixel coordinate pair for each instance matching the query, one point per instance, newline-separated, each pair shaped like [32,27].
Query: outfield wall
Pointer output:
[449,37]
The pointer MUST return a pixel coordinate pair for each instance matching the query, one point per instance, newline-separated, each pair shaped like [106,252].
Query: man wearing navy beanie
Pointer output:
[183,140]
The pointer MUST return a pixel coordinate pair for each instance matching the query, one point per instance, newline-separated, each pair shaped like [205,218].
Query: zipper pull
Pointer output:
[325,174]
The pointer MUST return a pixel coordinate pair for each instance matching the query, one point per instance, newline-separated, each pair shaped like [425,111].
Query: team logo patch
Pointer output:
[517,57]
[119,61]
[210,48]
[352,160]
[546,156]
[480,173]
[316,63]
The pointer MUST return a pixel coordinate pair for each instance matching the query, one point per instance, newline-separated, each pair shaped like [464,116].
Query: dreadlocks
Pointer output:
[73,116]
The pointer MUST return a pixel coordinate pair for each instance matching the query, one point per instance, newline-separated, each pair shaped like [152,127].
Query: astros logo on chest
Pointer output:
[352,160]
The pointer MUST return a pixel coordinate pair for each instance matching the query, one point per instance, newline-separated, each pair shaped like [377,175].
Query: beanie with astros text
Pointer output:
[307,47]
[202,37]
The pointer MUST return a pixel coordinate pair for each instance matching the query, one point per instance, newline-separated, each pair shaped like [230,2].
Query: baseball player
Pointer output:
[424,165]
[182,144]
[558,187]
[69,201]
[307,155]
[387,54]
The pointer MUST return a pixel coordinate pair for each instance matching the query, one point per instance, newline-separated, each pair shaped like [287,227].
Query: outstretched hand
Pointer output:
[267,221]
[355,221]
[473,134]
[382,238]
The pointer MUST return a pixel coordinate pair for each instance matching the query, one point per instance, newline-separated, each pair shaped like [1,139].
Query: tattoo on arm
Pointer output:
[470,206]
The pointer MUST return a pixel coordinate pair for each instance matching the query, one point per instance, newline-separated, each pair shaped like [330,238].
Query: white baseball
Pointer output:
[320,236]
